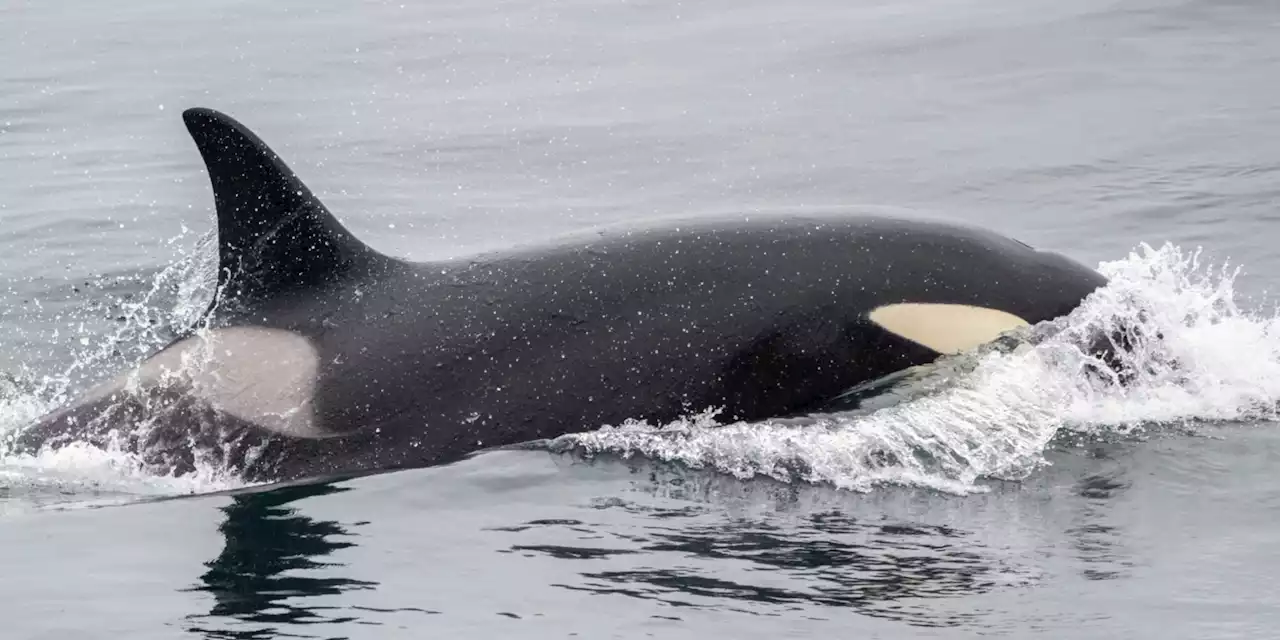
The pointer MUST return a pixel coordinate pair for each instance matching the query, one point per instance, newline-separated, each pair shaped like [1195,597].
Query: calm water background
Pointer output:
[439,129]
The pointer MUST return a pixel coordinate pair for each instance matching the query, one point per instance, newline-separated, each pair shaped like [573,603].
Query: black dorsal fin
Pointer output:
[273,234]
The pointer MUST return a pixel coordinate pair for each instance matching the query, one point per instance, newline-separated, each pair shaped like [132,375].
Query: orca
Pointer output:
[320,356]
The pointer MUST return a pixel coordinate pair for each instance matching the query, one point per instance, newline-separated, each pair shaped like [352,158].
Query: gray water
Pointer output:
[442,129]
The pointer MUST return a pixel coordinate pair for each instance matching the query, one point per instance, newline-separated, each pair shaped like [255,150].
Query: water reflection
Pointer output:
[1098,543]
[771,548]
[267,572]
[828,561]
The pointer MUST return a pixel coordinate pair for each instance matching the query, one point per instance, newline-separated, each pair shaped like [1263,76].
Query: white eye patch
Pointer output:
[946,328]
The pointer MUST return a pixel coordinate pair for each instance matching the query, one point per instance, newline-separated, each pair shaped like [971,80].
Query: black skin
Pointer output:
[423,363]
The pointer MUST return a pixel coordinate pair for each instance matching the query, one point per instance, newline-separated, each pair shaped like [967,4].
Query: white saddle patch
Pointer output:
[946,328]
[264,376]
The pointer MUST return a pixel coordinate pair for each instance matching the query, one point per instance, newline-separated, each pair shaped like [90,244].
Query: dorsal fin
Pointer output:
[274,235]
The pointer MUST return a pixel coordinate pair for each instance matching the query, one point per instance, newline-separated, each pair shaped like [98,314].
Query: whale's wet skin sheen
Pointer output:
[322,356]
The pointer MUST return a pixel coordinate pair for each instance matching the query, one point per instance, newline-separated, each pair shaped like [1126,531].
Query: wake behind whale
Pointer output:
[319,355]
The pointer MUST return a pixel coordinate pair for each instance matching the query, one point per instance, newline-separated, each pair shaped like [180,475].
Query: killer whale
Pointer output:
[320,356]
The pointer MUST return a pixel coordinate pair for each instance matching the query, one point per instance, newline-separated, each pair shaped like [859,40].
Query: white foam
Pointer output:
[1000,408]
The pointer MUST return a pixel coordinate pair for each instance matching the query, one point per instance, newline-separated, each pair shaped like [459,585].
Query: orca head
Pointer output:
[1003,288]
[952,288]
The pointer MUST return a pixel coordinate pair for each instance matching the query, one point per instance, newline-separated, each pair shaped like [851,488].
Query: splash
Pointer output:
[1191,355]
[172,301]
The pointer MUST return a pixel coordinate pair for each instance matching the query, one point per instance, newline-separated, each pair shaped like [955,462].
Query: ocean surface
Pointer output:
[1140,136]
